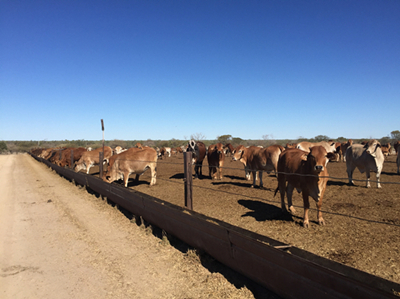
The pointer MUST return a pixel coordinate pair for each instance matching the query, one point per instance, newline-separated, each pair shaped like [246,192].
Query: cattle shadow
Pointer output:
[246,185]
[262,211]
[178,176]
[235,177]
[390,173]
[337,183]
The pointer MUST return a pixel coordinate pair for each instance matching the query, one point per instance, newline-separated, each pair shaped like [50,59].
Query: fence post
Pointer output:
[101,158]
[188,179]
[72,159]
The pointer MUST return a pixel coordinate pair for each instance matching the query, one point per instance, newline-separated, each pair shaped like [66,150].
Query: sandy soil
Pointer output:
[58,241]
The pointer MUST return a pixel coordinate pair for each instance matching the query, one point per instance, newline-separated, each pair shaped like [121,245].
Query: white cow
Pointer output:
[366,158]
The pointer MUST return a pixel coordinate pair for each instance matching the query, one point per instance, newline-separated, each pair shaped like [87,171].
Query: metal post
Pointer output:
[101,158]
[72,159]
[188,179]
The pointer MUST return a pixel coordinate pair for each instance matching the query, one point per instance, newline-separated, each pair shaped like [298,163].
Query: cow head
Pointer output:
[371,147]
[238,153]
[317,159]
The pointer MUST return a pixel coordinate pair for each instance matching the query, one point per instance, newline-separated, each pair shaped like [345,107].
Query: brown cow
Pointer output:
[288,145]
[133,160]
[66,156]
[386,149]
[198,150]
[91,158]
[396,146]
[229,149]
[215,158]
[308,174]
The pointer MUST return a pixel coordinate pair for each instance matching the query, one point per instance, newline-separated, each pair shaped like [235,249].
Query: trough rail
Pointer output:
[286,270]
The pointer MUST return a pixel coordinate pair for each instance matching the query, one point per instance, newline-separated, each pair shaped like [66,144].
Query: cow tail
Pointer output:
[276,190]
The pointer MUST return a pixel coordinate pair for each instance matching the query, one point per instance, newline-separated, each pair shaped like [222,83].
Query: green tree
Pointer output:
[3,146]
[395,135]
[224,138]
[321,138]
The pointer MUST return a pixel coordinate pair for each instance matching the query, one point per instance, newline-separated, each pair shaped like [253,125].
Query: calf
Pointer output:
[215,158]
[305,171]
[366,158]
[91,158]
[133,160]
[198,150]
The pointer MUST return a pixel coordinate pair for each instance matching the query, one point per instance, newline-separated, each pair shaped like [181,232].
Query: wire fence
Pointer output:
[277,202]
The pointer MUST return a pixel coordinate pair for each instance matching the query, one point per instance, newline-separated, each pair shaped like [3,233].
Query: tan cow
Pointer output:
[216,159]
[307,172]
[386,149]
[366,158]
[91,158]
[329,146]
[119,149]
[256,159]
[134,160]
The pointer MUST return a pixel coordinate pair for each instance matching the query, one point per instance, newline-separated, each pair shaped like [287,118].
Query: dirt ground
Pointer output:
[59,241]
[362,225]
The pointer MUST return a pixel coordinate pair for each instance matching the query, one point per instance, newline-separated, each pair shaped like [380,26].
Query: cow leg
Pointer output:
[289,191]
[350,171]
[306,205]
[378,177]
[153,172]
[261,182]
[254,178]
[126,178]
[137,177]
[367,173]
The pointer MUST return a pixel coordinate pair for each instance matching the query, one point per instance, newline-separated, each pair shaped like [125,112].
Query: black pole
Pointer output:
[188,178]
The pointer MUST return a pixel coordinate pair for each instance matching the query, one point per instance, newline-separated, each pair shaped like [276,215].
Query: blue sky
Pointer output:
[171,69]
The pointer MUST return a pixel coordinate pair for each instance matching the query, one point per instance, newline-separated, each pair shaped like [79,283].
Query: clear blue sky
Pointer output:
[170,69]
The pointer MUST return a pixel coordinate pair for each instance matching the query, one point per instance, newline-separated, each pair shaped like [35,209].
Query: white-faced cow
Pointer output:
[215,158]
[256,159]
[366,158]
[133,160]
[91,158]
[307,172]
[198,150]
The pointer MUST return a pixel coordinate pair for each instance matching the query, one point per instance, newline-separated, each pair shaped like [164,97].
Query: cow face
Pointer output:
[318,158]
[238,153]
[372,146]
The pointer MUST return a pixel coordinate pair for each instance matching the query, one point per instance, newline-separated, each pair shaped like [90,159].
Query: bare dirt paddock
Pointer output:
[362,225]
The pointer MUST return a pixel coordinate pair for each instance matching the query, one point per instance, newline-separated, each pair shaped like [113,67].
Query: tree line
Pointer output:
[26,146]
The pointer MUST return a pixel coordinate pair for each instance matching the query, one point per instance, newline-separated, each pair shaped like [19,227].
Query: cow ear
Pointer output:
[304,157]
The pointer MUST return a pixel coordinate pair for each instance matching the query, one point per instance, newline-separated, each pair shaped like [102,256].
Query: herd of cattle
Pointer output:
[301,166]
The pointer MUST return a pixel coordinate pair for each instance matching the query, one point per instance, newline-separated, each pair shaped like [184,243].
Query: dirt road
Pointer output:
[58,241]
